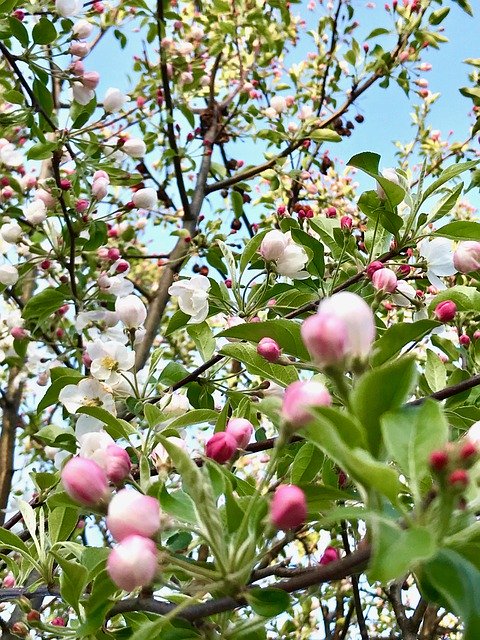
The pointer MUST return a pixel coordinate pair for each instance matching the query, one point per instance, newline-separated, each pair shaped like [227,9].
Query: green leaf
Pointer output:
[12,541]
[202,335]
[179,505]
[411,434]
[194,416]
[454,583]
[376,209]
[446,175]
[43,304]
[369,163]
[435,371]
[256,365]
[268,602]
[460,230]
[237,203]
[306,464]
[115,427]
[53,391]
[399,336]
[285,332]
[324,135]
[18,30]
[380,390]
[396,551]
[316,266]
[73,580]
[61,522]
[250,250]
[44,31]
[15,97]
[177,321]
[465,5]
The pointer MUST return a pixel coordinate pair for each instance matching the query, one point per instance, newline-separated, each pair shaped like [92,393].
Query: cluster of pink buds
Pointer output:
[223,445]
[451,463]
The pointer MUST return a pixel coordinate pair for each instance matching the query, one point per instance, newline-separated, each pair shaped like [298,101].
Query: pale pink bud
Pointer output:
[221,447]
[241,429]
[79,49]
[131,513]
[329,555]
[445,311]
[384,280]
[145,198]
[273,245]
[288,509]
[84,481]
[133,563]
[134,147]
[18,333]
[467,257]
[81,205]
[9,581]
[342,330]
[117,463]
[300,397]
[90,79]
[100,188]
[114,100]
[131,311]
[269,349]
[101,174]
[77,68]
[82,29]
[46,197]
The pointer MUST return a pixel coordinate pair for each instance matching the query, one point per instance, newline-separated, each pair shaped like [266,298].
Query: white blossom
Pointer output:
[131,311]
[114,100]
[404,294]
[8,274]
[36,212]
[109,359]
[68,8]
[192,297]
[10,156]
[438,254]
[87,393]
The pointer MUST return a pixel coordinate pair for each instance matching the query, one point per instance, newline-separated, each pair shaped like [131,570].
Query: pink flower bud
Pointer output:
[331,212]
[269,349]
[145,198]
[445,311]
[133,563]
[300,397]
[90,79]
[77,68]
[329,555]
[467,257]
[131,311]
[18,333]
[81,205]
[101,174]
[85,481]
[273,245]
[464,340]
[117,463]
[79,49]
[100,188]
[131,513]
[58,622]
[241,429]
[45,196]
[438,460]
[458,479]
[9,581]
[374,266]
[221,447]
[346,223]
[384,280]
[341,332]
[288,508]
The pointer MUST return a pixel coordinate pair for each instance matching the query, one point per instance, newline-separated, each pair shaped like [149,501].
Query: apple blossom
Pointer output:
[114,100]
[133,562]
[131,513]
[8,274]
[331,554]
[109,360]
[288,509]
[445,311]
[10,156]
[404,294]
[145,198]
[85,481]
[87,393]
[438,254]
[131,311]
[273,245]
[45,196]
[173,405]
[36,212]
[11,232]
[466,257]
[300,397]
[82,94]
[192,297]
[68,8]
[79,49]
[161,457]
[82,29]
[279,104]
[241,429]
[100,188]
[90,79]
